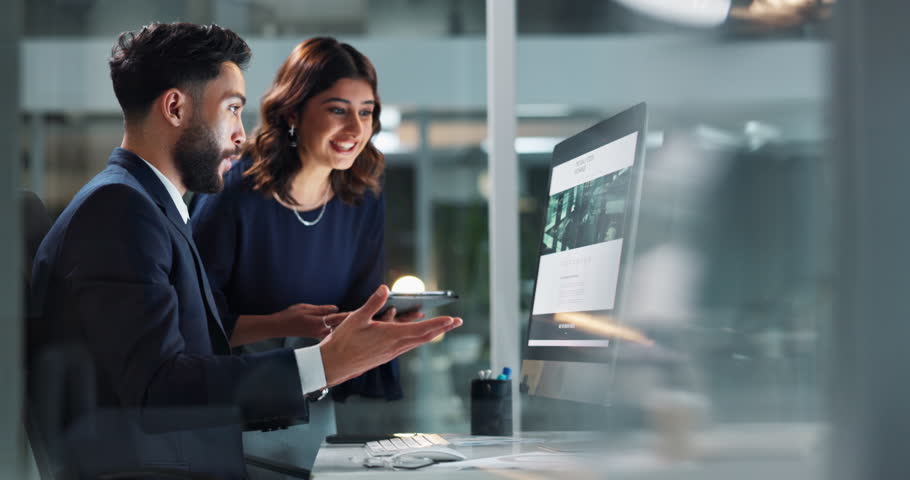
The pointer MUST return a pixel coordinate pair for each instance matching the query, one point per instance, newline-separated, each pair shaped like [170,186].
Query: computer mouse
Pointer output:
[410,458]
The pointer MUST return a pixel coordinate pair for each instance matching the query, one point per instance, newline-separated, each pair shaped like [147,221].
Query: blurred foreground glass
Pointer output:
[731,285]
[733,273]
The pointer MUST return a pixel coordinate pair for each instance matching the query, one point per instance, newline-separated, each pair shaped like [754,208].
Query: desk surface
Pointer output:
[742,452]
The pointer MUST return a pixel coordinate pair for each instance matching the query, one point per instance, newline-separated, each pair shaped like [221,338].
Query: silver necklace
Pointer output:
[325,201]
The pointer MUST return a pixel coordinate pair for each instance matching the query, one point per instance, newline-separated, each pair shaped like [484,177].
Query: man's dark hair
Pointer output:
[146,63]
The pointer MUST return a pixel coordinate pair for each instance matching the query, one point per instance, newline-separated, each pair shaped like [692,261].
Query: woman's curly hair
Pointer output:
[313,67]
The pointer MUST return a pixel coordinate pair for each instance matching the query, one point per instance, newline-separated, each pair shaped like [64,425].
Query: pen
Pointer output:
[506,374]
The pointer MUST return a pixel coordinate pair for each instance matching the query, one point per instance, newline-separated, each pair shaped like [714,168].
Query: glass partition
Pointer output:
[733,273]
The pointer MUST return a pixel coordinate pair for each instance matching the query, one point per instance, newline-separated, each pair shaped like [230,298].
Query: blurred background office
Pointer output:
[737,230]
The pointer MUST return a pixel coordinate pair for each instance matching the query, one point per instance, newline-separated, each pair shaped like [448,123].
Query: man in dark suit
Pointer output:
[118,278]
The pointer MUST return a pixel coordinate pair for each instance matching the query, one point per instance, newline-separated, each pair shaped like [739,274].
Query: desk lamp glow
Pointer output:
[412,284]
[409,284]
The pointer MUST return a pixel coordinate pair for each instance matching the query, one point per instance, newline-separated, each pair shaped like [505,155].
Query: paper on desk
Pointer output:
[520,461]
[627,462]
[484,441]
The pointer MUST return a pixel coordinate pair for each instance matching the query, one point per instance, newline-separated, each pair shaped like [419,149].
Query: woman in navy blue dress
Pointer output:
[297,233]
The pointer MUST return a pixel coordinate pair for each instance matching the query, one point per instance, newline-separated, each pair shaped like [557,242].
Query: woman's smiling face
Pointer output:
[336,125]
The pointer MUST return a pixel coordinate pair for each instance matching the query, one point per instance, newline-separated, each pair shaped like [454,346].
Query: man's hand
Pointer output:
[361,343]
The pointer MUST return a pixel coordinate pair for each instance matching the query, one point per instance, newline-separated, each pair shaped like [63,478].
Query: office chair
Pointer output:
[66,385]
[64,377]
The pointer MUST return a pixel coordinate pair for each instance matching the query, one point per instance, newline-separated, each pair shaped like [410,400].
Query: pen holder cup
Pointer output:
[491,407]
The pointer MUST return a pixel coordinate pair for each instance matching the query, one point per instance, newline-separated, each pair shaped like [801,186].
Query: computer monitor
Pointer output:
[584,260]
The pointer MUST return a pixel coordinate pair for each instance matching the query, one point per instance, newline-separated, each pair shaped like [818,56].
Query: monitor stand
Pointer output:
[574,381]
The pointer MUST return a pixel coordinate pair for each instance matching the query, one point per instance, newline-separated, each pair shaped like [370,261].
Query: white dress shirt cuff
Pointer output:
[310,368]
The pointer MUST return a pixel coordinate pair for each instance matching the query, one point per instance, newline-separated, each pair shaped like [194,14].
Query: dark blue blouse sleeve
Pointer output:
[383,381]
[215,229]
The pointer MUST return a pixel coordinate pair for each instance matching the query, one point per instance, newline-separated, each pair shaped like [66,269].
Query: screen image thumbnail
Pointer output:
[586,214]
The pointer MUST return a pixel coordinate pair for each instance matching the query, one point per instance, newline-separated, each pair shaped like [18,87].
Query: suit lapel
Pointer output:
[207,290]
[153,186]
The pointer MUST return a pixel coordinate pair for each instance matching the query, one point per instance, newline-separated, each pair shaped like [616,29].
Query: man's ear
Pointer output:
[175,107]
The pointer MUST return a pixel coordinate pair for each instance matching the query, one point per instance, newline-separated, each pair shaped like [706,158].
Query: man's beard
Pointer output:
[197,157]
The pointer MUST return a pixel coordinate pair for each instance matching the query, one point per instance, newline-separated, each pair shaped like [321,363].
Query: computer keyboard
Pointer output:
[382,448]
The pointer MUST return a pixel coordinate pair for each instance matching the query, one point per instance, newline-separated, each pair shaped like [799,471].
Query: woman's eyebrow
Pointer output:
[342,100]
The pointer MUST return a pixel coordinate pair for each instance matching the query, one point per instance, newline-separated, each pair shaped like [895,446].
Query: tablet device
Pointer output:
[411,302]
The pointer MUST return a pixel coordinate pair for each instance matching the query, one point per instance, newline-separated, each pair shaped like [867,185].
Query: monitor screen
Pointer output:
[587,236]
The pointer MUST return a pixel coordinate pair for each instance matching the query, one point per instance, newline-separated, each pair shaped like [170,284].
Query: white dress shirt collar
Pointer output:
[172,190]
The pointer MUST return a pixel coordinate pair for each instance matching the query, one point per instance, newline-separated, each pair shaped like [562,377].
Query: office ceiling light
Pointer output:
[760,133]
[388,142]
[528,144]
[654,139]
[693,13]
[536,144]
[483,184]
[714,138]
[543,110]
[390,118]
[783,13]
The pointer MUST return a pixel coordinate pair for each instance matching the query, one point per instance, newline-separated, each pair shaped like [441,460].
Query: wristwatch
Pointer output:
[317,395]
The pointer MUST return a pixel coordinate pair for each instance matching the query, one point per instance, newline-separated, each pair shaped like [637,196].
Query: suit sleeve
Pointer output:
[119,258]
[215,229]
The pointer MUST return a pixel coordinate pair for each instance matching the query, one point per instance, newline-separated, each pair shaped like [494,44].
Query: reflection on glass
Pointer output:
[604,326]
